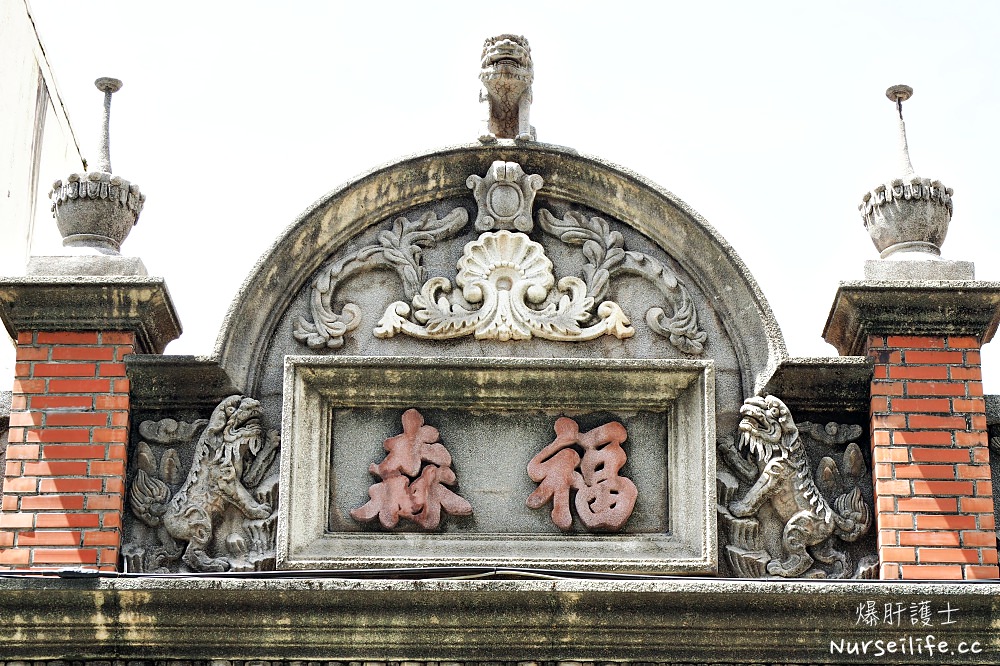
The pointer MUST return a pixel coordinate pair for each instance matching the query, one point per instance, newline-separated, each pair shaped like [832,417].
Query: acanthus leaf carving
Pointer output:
[607,258]
[399,248]
[506,273]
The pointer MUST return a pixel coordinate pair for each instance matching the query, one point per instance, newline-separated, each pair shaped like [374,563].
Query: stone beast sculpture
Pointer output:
[507,73]
[783,478]
[233,436]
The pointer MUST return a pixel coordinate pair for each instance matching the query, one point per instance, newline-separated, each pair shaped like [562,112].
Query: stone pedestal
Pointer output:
[64,479]
[933,494]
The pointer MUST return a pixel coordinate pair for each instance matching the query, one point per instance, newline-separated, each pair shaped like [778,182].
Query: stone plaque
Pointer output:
[628,444]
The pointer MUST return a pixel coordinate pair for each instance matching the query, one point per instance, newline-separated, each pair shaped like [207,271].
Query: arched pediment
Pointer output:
[733,320]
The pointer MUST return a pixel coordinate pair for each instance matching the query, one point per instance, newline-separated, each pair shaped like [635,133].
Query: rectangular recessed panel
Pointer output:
[490,452]
[349,500]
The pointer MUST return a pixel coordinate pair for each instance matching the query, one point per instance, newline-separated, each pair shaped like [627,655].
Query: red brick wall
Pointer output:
[64,477]
[931,462]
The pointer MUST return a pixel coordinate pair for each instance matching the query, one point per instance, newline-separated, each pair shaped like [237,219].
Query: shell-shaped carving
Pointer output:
[507,261]
[854,462]
[827,476]
[144,458]
[170,467]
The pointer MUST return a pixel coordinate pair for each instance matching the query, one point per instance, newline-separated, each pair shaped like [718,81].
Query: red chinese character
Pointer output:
[604,500]
[413,478]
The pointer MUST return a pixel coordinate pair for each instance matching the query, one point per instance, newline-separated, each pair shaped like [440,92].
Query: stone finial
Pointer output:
[108,86]
[94,210]
[908,215]
[507,72]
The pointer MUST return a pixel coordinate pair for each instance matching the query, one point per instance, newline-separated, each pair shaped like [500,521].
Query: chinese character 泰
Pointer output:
[413,479]
[604,500]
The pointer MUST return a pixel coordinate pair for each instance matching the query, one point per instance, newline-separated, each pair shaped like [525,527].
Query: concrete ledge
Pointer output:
[913,307]
[823,386]
[100,264]
[176,382]
[91,303]
[650,620]
[933,269]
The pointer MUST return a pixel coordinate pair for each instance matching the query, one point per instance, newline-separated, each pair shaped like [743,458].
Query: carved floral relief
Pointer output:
[506,273]
[507,289]
[413,480]
[604,500]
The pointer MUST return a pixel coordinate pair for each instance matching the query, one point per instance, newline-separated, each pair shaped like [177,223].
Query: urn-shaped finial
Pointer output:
[96,210]
[908,216]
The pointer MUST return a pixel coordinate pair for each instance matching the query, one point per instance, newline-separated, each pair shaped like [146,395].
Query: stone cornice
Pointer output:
[501,619]
[836,385]
[911,307]
[91,303]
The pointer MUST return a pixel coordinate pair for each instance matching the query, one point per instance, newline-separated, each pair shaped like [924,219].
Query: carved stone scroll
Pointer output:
[607,258]
[399,249]
[786,501]
[506,273]
[604,500]
[412,480]
[218,517]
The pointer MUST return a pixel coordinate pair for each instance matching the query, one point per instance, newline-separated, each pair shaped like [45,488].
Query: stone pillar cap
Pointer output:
[911,307]
[91,303]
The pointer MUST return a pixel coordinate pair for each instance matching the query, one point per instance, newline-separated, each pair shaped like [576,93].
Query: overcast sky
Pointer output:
[769,119]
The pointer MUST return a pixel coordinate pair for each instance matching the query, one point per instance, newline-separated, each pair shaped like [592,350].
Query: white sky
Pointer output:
[767,118]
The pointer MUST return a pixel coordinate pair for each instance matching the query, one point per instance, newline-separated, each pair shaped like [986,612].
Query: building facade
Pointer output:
[499,402]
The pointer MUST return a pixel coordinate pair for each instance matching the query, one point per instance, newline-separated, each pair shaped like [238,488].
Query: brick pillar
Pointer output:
[929,447]
[64,481]
[933,494]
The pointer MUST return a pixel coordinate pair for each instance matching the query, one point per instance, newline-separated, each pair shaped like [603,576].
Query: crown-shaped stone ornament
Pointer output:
[907,216]
[95,210]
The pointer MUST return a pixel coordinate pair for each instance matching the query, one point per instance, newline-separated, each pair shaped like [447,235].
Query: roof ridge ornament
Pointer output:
[507,72]
[908,216]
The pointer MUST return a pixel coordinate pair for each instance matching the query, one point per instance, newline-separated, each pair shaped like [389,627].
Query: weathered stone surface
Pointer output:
[823,388]
[89,303]
[495,415]
[784,525]
[219,515]
[506,74]
[97,264]
[614,620]
[175,383]
[913,307]
[745,342]
[928,269]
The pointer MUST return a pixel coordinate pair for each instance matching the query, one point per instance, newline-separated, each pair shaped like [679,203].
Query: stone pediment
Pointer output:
[483,355]
[400,231]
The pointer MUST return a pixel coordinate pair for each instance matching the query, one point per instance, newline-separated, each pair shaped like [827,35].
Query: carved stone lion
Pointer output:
[231,440]
[507,73]
[783,478]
